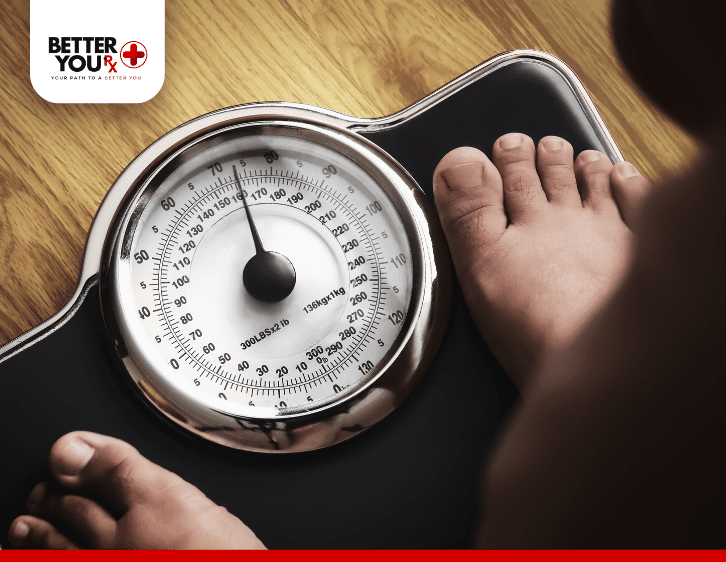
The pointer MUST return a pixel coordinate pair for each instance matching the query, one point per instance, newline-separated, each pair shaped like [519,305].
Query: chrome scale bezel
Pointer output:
[102,230]
[344,414]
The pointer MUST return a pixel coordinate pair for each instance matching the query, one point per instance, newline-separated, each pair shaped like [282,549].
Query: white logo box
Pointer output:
[96,51]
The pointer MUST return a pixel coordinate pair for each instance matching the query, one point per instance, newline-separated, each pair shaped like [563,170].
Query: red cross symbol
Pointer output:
[131,57]
[134,54]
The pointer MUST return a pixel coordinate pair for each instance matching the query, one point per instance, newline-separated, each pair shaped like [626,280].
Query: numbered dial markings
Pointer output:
[338,228]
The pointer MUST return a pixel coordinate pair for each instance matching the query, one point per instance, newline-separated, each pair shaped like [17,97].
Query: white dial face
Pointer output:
[204,332]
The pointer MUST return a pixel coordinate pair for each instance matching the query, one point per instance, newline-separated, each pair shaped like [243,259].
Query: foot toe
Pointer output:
[80,516]
[514,157]
[109,470]
[31,532]
[555,167]
[150,506]
[469,199]
[630,190]
[592,169]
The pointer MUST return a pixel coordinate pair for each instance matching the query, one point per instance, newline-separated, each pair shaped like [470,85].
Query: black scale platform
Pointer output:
[411,481]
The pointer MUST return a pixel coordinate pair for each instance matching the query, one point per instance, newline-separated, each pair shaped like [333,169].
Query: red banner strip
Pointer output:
[375,556]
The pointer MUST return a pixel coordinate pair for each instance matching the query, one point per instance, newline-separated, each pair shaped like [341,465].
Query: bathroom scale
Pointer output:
[267,308]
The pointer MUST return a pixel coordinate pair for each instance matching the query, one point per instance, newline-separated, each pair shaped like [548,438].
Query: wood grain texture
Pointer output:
[363,58]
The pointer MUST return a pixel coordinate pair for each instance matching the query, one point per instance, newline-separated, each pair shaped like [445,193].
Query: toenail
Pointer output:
[627,170]
[75,457]
[508,142]
[591,156]
[21,531]
[552,144]
[462,176]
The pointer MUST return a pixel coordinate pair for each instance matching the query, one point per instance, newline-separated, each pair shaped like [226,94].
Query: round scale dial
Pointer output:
[265,277]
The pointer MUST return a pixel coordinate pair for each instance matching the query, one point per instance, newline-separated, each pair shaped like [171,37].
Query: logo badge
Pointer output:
[85,51]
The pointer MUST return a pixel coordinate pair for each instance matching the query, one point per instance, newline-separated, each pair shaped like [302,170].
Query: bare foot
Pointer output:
[112,497]
[538,248]
[618,441]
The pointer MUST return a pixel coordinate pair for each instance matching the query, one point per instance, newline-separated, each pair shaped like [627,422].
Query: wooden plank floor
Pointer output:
[366,59]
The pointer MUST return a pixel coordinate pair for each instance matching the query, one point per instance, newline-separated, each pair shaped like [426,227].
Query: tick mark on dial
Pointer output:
[268,276]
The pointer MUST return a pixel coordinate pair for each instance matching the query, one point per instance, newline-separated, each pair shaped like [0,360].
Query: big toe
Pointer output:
[469,200]
[110,471]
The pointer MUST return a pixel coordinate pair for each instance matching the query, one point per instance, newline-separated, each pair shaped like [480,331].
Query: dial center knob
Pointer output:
[269,276]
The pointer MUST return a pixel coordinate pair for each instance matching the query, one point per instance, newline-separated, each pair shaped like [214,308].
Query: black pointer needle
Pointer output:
[268,276]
